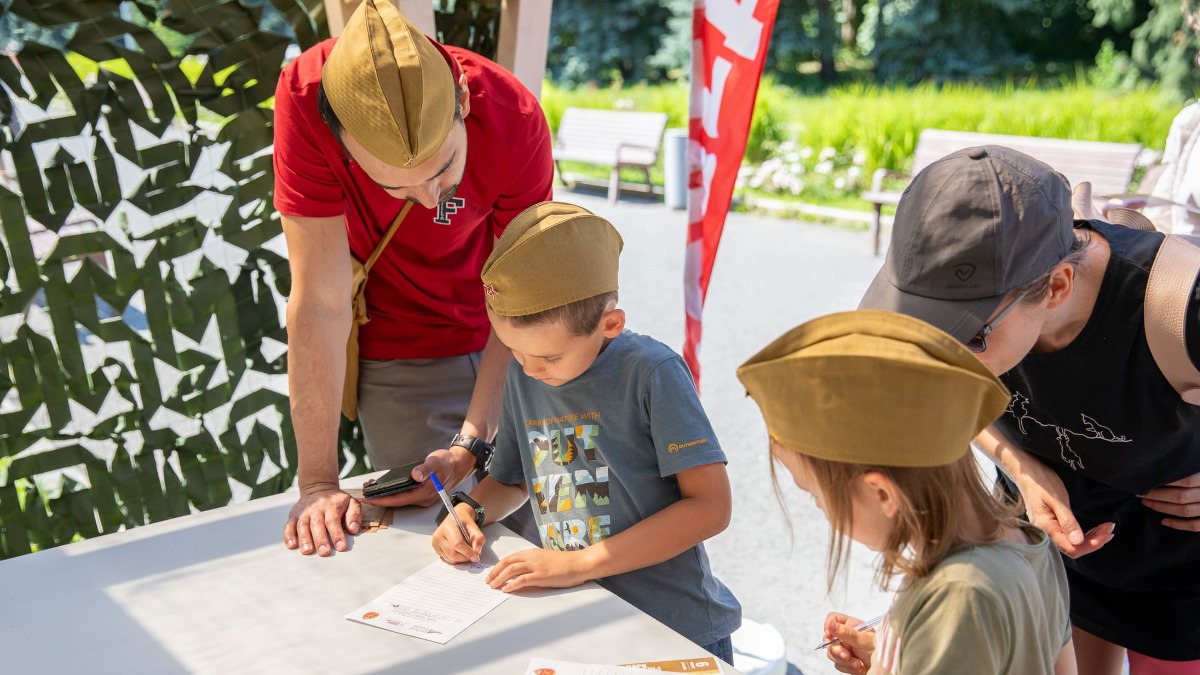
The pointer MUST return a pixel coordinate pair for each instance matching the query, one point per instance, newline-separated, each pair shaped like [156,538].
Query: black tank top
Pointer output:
[1103,416]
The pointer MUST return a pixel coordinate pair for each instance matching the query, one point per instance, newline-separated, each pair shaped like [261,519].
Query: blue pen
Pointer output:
[437,485]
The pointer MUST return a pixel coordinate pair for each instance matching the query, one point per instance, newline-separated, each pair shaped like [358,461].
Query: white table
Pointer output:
[217,592]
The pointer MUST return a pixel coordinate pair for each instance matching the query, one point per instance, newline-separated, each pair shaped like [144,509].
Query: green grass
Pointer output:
[883,123]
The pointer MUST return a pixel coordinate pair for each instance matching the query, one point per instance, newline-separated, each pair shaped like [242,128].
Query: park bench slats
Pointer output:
[615,138]
[1108,166]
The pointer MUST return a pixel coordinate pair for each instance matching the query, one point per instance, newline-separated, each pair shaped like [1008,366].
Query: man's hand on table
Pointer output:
[320,519]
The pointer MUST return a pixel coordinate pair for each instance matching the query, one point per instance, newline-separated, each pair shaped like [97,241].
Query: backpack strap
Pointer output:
[1082,206]
[1168,292]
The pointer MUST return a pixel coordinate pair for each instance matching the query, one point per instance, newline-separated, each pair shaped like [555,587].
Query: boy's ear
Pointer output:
[612,323]
[881,491]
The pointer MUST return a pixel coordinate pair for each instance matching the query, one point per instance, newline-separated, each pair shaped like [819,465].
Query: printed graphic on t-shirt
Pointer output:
[887,648]
[1091,429]
[448,208]
[570,490]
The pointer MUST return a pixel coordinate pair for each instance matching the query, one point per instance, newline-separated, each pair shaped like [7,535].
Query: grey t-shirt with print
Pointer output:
[599,455]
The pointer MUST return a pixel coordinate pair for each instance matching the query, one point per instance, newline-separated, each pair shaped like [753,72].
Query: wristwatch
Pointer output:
[462,498]
[478,447]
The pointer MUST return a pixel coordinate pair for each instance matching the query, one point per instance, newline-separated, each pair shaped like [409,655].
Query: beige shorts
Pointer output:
[410,407]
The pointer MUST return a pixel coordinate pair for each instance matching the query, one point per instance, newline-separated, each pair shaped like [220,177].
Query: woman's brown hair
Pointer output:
[931,522]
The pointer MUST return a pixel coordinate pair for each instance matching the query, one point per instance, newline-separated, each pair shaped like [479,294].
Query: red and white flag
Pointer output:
[729,47]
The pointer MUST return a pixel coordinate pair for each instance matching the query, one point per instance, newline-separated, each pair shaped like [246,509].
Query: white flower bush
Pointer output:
[809,174]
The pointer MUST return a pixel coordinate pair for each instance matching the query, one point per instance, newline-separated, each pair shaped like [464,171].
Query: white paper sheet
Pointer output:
[436,603]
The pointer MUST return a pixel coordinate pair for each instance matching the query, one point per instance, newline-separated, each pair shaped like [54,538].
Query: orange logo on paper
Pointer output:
[544,671]
[370,615]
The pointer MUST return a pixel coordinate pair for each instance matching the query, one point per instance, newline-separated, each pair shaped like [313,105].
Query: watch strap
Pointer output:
[457,498]
[476,446]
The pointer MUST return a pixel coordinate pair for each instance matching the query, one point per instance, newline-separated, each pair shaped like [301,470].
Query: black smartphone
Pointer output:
[393,482]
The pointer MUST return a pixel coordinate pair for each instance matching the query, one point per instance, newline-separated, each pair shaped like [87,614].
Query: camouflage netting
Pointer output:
[142,349]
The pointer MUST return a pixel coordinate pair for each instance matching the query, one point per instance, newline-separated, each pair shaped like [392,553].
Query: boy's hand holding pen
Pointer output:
[850,642]
[456,540]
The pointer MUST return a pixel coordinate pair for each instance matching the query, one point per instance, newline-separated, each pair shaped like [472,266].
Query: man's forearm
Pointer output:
[316,374]
[483,414]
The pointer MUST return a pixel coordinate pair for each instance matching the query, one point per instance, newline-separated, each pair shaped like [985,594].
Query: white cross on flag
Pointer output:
[729,47]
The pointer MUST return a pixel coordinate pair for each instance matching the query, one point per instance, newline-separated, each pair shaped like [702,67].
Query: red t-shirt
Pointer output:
[424,294]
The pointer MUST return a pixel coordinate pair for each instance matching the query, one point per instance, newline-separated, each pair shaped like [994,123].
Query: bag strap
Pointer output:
[387,237]
[1081,202]
[1168,292]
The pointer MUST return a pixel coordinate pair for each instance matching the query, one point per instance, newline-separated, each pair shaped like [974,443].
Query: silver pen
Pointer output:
[437,485]
[866,625]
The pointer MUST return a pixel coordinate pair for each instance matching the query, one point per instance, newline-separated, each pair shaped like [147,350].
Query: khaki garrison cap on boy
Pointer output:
[550,255]
[391,88]
[873,387]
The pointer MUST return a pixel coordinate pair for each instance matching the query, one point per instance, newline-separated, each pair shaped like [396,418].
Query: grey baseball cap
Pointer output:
[969,228]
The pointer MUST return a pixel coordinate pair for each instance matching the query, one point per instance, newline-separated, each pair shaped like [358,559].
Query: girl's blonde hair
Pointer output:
[931,522]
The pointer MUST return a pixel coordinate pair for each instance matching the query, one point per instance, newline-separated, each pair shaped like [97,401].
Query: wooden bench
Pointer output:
[615,138]
[1108,166]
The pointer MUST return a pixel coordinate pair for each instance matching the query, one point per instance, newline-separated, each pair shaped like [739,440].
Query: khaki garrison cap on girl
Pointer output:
[390,86]
[873,387]
[550,255]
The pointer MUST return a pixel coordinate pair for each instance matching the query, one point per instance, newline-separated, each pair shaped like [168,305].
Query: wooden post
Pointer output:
[523,40]
[420,12]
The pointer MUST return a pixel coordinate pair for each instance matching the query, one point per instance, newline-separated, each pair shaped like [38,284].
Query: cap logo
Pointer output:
[489,291]
[964,271]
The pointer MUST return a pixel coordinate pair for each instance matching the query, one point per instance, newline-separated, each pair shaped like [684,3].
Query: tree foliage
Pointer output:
[1164,47]
[617,41]
[906,40]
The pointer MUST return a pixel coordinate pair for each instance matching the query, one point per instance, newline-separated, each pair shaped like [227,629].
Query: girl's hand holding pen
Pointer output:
[851,653]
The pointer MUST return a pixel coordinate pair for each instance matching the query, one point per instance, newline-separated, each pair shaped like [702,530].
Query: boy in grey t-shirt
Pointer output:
[602,430]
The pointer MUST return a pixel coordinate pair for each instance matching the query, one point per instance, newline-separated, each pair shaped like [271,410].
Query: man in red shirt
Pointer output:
[364,123]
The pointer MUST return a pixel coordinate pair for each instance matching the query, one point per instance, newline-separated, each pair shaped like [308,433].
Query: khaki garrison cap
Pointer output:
[873,387]
[390,86]
[550,255]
